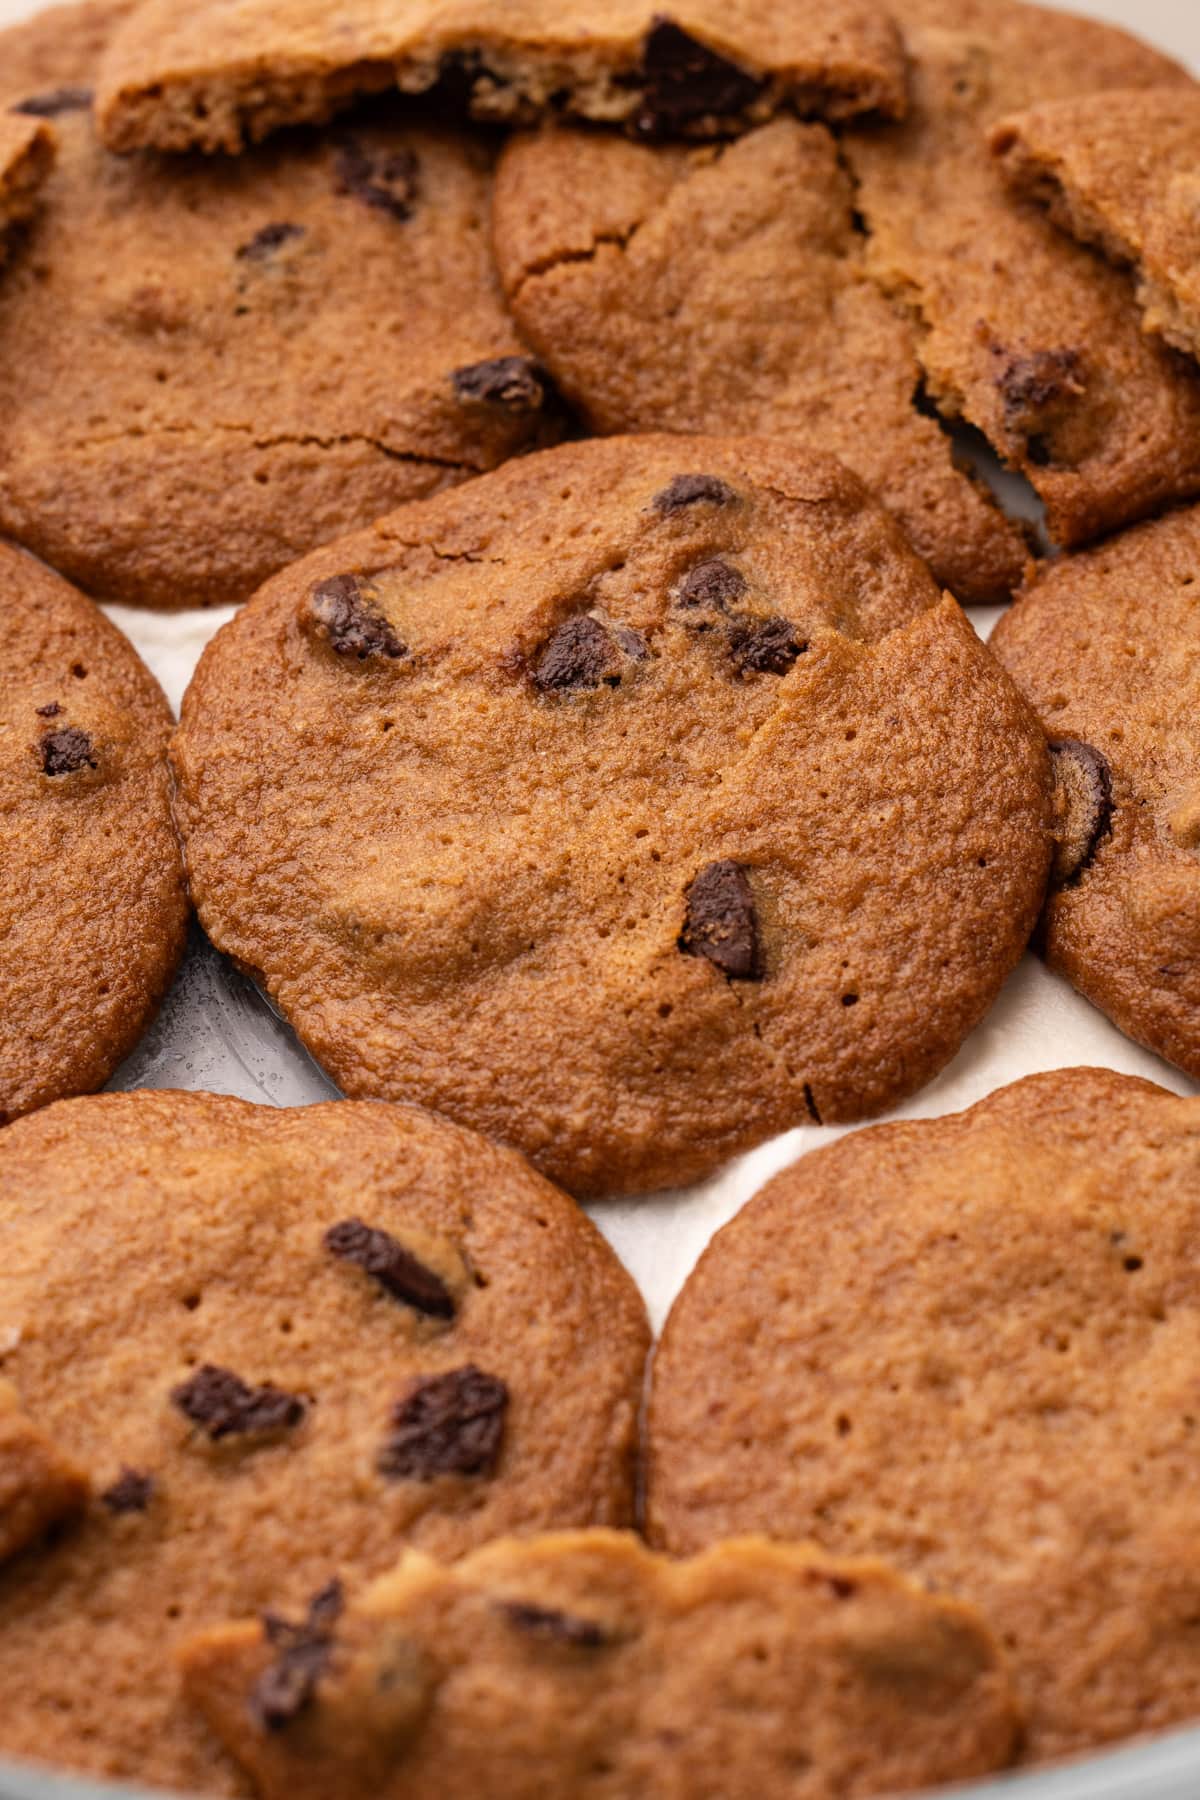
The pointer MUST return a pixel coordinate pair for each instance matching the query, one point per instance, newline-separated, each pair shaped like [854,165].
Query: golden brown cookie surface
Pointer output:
[969,1346]
[632,803]
[725,289]
[1106,646]
[280,1346]
[280,347]
[231,70]
[581,1664]
[1031,338]
[92,907]
[1122,171]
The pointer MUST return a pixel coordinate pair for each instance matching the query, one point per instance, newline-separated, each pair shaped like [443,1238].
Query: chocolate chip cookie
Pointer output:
[279,348]
[969,1345]
[26,158]
[631,804]
[1122,171]
[581,1664]
[1106,645]
[1031,338]
[92,904]
[724,289]
[253,1350]
[232,70]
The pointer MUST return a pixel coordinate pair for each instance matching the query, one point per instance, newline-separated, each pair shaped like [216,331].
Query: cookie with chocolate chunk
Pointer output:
[630,804]
[726,291]
[969,1345]
[92,904]
[1106,646]
[1122,171]
[756,1668]
[248,1355]
[26,158]
[280,347]
[229,71]
[1031,338]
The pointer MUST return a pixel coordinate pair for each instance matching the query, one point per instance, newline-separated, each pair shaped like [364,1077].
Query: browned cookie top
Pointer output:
[1122,171]
[631,804]
[92,907]
[725,289]
[217,74]
[582,1665]
[26,158]
[278,1346]
[1106,645]
[278,348]
[1033,339]
[970,1346]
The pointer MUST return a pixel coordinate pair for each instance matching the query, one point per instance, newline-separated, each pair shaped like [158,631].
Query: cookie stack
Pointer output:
[602,774]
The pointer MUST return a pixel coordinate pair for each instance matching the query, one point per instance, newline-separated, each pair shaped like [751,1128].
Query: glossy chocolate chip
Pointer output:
[580,654]
[693,490]
[287,1687]
[451,1424]
[222,1404]
[1084,796]
[554,1627]
[386,181]
[271,238]
[721,923]
[764,646]
[131,1492]
[396,1269]
[53,104]
[67,751]
[511,384]
[711,585]
[685,84]
[343,611]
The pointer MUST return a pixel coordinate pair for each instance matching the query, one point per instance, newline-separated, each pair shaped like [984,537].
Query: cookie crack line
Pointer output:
[562,259]
[281,440]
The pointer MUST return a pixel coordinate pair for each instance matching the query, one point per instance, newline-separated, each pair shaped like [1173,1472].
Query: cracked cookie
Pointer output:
[229,71]
[1106,647]
[724,289]
[631,804]
[248,1350]
[580,1664]
[92,903]
[279,348]
[969,1345]
[1031,338]
[1122,171]
[26,158]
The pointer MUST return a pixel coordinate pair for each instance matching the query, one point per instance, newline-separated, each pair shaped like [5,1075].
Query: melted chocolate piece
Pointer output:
[450,1424]
[53,104]
[693,490]
[269,239]
[685,83]
[49,712]
[554,1627]
[223,1405]
[714,585]
[354,625]
[514,384]
[67,751]
[288,1686]
[386,182]
[131,1492]
[1084,782]
[396,1269]
[721,923]
[764,646]
[580,654]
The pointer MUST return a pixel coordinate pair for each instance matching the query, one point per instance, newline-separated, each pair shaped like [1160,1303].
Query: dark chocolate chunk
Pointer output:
[268,239]
[632,642]
[396,1269]
[58,100]
[693,490]
[514,384]
[687,84]
[448,1424]
[1085,807]
[721,923]
[711,584]
[67,751]
[580,654]
[288,1686]
[223,1406]
[344,613]
[1038,383]
[554,1627]
[130,1492]
[49,712]
[764,646]
[386,182]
